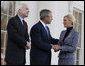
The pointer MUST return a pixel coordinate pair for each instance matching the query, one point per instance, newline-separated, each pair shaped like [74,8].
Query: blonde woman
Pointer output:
[68,42]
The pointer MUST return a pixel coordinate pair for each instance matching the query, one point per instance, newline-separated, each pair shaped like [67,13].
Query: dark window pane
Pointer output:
[3,22]
[78,26]
[2,40]
[80,18]
[4,7]
[7,11]
[79,30]
[6,40]
[10,8]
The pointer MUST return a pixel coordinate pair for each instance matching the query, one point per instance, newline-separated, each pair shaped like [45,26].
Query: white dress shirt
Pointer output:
[43,23]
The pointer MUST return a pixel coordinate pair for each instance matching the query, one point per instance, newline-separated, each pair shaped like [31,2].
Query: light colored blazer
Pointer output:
[69,45]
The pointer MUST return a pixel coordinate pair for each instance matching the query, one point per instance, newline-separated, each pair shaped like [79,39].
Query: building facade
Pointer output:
[59,9]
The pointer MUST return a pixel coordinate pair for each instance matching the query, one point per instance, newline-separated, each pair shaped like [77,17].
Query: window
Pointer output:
[7,11]
[78,26]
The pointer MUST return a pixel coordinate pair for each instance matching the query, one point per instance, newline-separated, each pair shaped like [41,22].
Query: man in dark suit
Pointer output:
[18,38]
[41,40]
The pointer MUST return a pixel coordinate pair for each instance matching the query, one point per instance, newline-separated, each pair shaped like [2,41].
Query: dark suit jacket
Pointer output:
[40,53]
[17,37]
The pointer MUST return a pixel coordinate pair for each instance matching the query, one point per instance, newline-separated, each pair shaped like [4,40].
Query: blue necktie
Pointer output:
[47,31]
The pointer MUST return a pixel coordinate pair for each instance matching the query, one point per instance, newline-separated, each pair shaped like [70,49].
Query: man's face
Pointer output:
[49,18]
[25,11]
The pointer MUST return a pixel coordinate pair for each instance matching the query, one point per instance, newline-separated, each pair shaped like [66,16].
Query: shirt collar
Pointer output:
[43,23]
[21,18]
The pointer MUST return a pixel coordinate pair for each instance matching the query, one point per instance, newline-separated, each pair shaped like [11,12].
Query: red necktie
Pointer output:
[24,24]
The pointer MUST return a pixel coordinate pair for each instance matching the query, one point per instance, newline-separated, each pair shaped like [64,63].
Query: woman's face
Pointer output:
[67,23]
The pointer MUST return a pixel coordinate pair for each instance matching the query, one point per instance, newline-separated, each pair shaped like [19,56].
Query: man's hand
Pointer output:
[56,47]
[28,46]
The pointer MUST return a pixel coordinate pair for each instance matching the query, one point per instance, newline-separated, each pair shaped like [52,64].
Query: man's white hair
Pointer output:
[19,7]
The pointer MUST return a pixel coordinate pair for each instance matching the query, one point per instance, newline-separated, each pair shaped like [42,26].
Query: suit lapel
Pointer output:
[43,29]
[70,34]
[20,25]
[62,35]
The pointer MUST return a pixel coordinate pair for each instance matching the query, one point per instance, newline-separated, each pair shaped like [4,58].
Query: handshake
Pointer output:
[56,47]
[28,46]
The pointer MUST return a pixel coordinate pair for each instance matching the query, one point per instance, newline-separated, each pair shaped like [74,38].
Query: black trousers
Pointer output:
[14,63]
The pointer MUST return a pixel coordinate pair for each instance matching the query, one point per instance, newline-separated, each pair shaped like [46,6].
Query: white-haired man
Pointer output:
[18,38]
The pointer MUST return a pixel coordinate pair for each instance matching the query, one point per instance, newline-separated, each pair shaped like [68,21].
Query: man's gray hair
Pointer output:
[44,13]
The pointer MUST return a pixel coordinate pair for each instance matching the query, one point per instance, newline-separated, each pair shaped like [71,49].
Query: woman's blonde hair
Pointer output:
[70,17]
